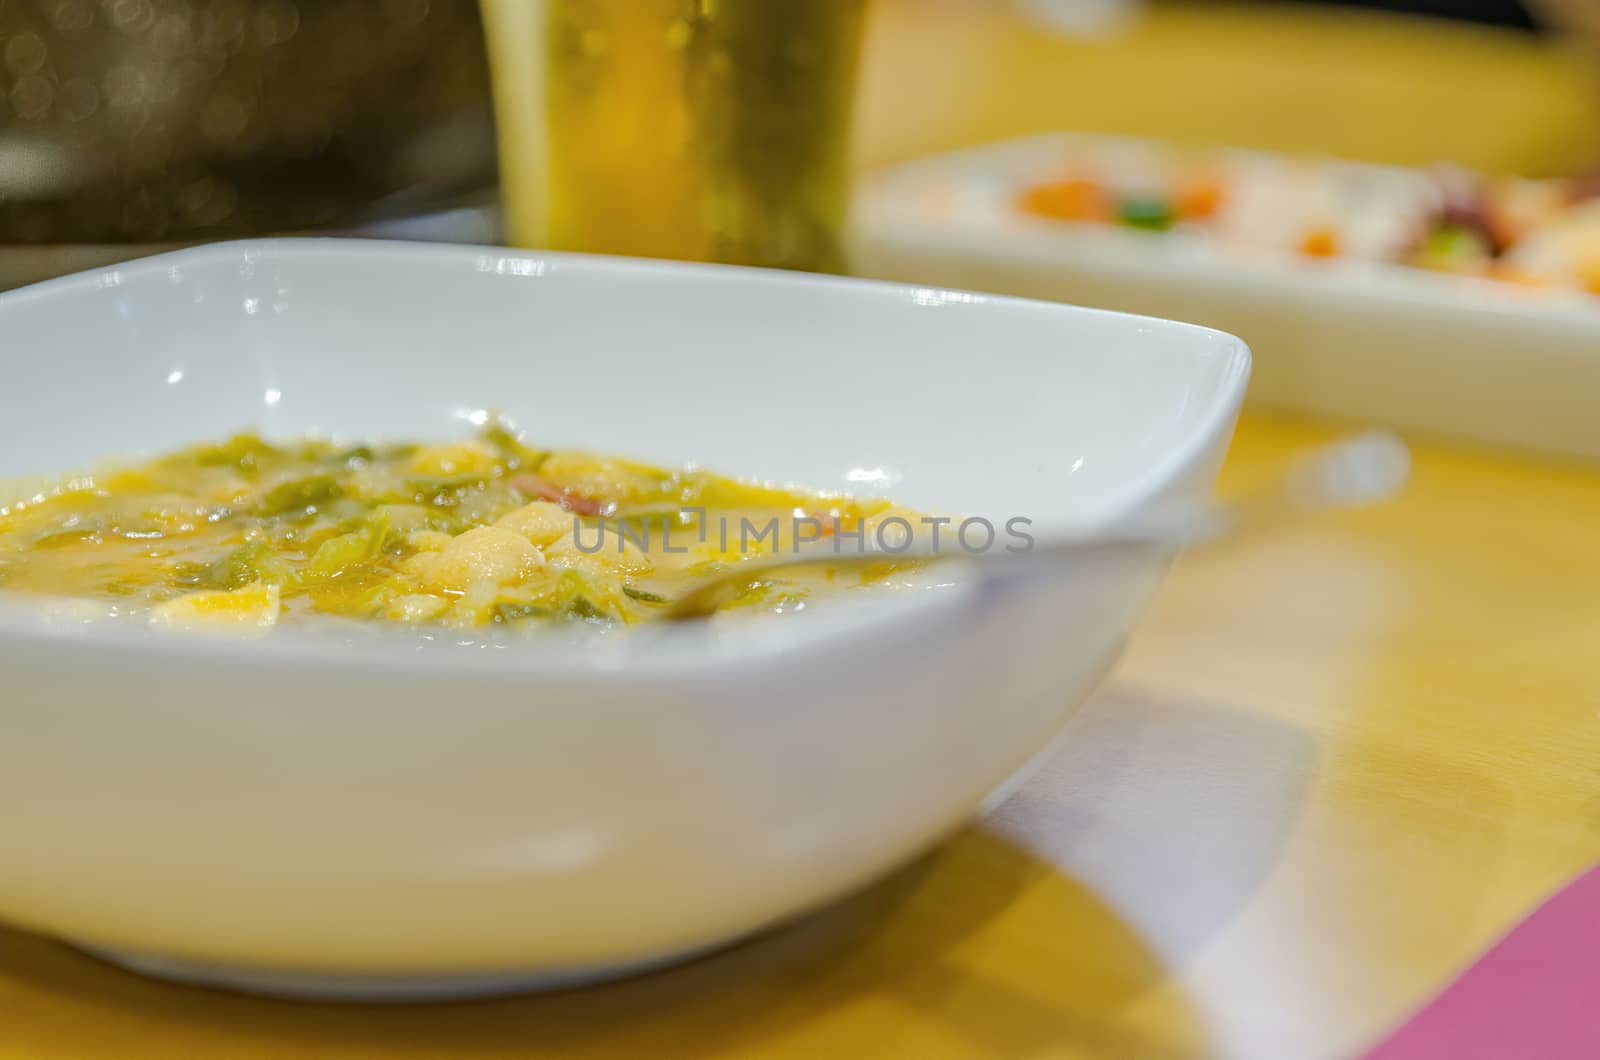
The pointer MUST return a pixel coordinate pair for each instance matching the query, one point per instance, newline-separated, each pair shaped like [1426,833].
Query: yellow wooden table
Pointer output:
[941,74]
[1335,765]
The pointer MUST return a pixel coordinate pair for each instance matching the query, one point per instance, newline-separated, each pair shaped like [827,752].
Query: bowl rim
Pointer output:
[27,618]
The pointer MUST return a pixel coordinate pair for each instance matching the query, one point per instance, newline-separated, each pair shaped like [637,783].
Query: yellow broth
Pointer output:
[484,532]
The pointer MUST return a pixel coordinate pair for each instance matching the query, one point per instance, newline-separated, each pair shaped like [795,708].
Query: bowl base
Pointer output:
[381,988]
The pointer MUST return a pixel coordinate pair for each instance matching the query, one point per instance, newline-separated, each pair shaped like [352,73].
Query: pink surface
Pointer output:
[1535,995]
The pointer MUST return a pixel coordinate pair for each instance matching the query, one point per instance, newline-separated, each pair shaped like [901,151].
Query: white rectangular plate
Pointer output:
[1476,359]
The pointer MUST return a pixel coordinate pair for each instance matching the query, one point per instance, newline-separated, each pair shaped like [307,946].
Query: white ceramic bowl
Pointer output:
[388,817]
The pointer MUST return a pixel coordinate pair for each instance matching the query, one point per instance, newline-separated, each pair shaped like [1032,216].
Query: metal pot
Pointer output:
[152,121]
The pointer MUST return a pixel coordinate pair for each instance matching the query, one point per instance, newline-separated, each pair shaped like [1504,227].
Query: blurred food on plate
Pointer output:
[1425,297]
[1542,233]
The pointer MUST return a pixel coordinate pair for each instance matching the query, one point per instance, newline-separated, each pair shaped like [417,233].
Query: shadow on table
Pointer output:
[952,955]
[1173,810]
[984,948]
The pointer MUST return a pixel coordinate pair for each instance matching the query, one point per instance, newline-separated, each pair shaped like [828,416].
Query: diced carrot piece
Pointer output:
[1506,272]
[1077,199]
[1199,198]
[1502,228]
[1320,243]
[1589,274]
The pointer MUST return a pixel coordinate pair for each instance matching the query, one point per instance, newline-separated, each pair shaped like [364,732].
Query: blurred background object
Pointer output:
[1492,12]
[1087,17]
[678,128]
[1578,18]
[131,125]
[1446,290]
[1334,79]
[149,121]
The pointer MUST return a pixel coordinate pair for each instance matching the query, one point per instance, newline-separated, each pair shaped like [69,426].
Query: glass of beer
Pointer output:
[706,130]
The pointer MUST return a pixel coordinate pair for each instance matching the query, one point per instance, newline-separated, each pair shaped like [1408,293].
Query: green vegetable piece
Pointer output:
[642,596]
[338,555]
[348,552]
[1151,214]
[570,585]
[357,454]
[404,518]
[257,562]
[1455,242]
[446,482]
[572,596]
[299,494]
[510,613]
[247,452]
[379,530]
[188,575]
[444,492]
[583,607]
[515,455]
[395,451]
[252,562]
[1144,213]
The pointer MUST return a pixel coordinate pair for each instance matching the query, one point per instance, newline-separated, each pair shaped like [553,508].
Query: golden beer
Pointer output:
[712,130]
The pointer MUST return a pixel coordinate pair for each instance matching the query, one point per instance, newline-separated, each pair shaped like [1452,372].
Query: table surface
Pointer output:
[1334,766]
[941,74]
